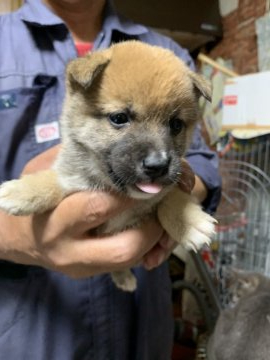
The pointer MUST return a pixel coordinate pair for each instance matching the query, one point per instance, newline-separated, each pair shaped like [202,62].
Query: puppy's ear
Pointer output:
[84,70]
[202,85]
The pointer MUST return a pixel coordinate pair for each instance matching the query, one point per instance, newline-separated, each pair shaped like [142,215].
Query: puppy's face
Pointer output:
[133,107]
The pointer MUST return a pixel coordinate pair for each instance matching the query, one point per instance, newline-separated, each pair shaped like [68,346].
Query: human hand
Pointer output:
[61,240]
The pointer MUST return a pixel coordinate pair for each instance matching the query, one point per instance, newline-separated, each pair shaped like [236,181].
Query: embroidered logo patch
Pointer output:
[47,132]
[7,101]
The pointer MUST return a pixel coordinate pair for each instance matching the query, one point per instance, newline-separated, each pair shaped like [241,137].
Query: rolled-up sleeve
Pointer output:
[204,163]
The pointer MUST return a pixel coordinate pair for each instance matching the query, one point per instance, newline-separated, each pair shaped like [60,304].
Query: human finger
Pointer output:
[86,257]
[81,212]
[159,253]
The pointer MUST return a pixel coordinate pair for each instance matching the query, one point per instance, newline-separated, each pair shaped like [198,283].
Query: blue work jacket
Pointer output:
[45,315]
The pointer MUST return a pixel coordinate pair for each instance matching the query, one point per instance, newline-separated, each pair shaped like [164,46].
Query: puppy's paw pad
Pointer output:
[125,281]
[13,198]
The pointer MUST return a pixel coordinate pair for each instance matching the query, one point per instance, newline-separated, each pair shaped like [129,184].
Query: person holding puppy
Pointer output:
[50,308]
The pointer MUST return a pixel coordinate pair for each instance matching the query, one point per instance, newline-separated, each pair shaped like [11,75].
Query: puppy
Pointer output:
[127,119]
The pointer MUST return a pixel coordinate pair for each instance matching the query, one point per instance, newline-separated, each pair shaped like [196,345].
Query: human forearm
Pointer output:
[16,239]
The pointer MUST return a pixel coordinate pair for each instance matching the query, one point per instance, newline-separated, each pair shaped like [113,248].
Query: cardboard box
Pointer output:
[246,102]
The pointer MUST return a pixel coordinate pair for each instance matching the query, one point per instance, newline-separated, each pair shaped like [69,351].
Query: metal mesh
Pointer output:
[243,232]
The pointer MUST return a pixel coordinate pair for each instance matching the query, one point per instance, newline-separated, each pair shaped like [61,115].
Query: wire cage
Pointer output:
[243,231]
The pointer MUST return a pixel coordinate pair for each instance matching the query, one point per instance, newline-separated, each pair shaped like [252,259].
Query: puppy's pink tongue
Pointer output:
[149,188]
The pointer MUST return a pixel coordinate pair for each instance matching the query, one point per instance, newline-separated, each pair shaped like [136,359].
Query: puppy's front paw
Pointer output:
[125,280]
[200,229]
[14,198]
[185,221]
[33,193]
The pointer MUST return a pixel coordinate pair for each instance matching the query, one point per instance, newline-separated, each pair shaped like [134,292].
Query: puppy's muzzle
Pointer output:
[156,164]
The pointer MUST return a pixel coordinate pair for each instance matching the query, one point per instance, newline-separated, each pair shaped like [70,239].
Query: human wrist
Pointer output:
[16,240]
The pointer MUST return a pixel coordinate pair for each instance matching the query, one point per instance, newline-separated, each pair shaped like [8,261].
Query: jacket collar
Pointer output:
[36,13]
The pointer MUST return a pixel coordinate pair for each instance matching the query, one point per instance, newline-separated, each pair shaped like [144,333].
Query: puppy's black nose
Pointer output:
[156,164]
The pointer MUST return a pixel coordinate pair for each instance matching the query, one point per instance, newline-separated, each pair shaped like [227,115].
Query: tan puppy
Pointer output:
[128,115]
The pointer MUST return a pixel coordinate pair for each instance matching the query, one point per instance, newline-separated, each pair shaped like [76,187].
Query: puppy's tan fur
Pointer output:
[151,86]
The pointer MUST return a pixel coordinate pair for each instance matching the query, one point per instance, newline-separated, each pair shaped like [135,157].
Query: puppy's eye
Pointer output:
[176,125]
[119,120]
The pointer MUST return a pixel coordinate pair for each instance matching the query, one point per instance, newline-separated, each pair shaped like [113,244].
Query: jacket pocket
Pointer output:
[21,110]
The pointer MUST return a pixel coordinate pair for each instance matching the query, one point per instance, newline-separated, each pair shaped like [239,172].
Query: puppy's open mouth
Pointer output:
[139,187]
[145,190]
[149,188]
